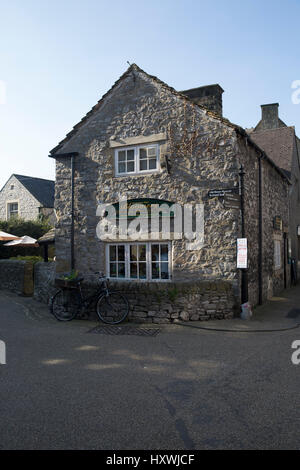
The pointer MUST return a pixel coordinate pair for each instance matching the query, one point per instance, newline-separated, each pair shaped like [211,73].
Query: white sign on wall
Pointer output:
[242,253]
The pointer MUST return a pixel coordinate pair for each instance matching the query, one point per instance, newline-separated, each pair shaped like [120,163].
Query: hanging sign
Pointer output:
[277,222]
[232,201]
[242,253]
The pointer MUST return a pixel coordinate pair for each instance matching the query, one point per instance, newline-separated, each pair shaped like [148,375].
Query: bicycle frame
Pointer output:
[103,289]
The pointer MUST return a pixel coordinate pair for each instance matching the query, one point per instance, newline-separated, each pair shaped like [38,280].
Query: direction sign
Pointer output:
[222,192]
[232,201]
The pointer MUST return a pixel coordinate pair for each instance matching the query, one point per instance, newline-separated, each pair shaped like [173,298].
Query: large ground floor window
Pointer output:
[146,261]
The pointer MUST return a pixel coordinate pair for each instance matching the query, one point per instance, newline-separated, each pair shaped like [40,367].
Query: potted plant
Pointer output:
[68,280]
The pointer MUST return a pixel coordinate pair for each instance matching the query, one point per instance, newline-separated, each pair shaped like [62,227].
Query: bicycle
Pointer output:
[112,307]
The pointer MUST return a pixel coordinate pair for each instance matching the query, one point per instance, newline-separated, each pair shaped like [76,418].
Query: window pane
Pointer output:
[112,269]
[122,167]
[142,252]
[133,252]
[164,252]
[152,152]
[152,164]
[130,166]
[164,270]
[143,153]
[121,155]
[121,269]
[142,270]
[130,154]
[155,252]
[143,165]
[121,253]
[133,270]
[112,253]
[155,270]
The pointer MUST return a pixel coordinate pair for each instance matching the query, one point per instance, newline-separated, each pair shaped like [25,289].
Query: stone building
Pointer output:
[282,145]
[27,197]
[148,143]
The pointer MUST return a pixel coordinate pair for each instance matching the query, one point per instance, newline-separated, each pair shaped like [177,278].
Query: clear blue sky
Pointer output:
[57,58]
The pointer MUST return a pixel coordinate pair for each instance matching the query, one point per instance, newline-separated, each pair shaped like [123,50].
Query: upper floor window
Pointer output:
[12,209]
[141,159]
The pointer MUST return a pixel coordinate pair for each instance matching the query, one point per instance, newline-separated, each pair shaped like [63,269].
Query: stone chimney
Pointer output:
[209,96]
[269,116]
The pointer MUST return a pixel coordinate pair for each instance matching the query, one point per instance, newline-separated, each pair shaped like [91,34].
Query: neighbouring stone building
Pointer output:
[27,197]
[282,145]
[147,142]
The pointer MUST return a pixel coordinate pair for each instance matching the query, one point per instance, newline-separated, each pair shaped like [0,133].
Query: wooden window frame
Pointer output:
[137,170]
[148,261]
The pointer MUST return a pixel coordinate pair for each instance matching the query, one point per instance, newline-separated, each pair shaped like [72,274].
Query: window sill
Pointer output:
[118,279]
[130,175]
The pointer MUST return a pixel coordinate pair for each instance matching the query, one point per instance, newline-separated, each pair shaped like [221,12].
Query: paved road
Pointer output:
[65,388]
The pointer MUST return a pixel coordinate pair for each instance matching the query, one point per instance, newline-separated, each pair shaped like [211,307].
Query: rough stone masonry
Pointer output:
[198,151]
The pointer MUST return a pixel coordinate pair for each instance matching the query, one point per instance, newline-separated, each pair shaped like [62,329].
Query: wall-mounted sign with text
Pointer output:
[277,222]
[242,253]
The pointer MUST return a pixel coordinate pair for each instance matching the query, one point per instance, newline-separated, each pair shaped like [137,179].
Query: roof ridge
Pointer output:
[274,129]
[135,67]
[32,177]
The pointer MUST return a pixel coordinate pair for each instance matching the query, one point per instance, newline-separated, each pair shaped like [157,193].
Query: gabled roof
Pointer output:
[278,143]
[41,189]
[134,68]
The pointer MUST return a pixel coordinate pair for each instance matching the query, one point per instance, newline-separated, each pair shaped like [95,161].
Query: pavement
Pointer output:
[187,388]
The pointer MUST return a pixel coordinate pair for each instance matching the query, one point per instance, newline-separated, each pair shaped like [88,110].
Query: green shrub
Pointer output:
[33,259]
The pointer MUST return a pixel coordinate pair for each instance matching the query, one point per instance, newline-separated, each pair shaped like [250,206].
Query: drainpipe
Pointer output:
[260,238]
[72,212]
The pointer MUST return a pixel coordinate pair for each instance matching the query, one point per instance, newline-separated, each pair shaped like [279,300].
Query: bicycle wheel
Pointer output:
[65,305]
[112,308]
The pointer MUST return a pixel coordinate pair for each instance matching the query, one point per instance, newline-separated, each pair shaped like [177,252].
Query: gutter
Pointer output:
[260,227]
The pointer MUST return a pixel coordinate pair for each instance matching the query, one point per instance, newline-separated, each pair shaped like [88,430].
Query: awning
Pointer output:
[7,236]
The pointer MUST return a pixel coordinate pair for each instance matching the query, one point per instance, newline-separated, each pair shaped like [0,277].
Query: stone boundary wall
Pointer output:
[16,276]
[44,275]
[168,302]
[155,302]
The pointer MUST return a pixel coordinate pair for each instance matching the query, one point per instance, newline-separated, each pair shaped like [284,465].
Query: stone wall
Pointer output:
[140,107]
[203,154]
[294,221]
[165,303]
[16,276]
[275,202]
[28,206]
[44,275]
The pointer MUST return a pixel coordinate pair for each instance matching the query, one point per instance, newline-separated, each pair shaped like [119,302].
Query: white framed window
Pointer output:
[277,254]
[136,160]
[149,261]
[12,209]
